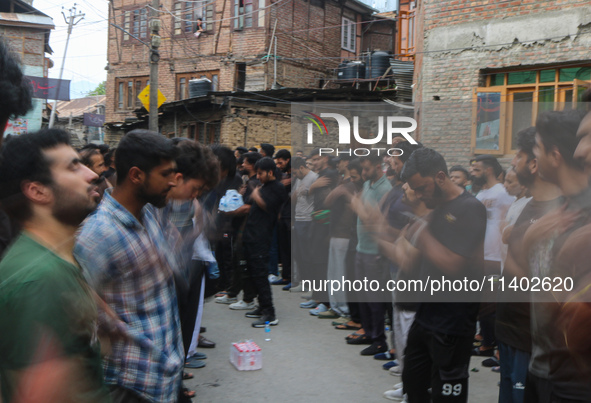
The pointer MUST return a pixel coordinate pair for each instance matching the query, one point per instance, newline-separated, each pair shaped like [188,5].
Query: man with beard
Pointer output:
[125,252]
[93,159]
[557,246]
[405,309]
[223,230]
[262,217]
[395,211]
[512,326]
[485,172]
[303,202]
[368,263]
[283,161]
[48,343]
[342,219]
[327,180]
[239,272]
[449,242]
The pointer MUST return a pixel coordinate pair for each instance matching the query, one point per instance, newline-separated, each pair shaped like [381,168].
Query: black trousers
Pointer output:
[540,390]
[319,249]
[239,273]
[488,310]
[189,305]
[438,361]
[371,311]
[224,255]
[284,239]
[354,310]
[257,265]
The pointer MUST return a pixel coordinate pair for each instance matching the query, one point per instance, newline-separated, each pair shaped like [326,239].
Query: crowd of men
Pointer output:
[107,257]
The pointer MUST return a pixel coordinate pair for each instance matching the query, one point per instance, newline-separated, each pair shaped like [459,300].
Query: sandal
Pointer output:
[362,339]
[189,393]
[355,335]
[187,375]
[347,326]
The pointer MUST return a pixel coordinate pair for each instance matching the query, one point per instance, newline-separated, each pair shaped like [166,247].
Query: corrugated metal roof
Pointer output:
[80,106]
[30,19]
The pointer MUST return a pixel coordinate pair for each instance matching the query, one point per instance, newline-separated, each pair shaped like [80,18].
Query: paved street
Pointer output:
[306,361]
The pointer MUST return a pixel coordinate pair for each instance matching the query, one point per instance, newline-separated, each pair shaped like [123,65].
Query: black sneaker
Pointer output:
[257,313]
[273,321]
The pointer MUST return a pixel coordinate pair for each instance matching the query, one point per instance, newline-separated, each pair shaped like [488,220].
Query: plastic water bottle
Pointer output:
[267,331]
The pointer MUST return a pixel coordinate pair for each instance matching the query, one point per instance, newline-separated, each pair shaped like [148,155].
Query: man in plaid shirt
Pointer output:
[123,249]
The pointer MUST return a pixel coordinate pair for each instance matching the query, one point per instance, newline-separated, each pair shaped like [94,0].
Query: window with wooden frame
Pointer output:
[512,100]
[182,82]
[135,22]
[186,15]
[348,34]
[244,11]
[127,90]
[203,132]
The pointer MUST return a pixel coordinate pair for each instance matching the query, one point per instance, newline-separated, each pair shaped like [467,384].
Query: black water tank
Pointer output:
[379,63]
[351,70]
[199,87]
[341,70]
[356,69]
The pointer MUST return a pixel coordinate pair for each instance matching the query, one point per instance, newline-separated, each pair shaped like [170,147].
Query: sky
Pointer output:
[87,51]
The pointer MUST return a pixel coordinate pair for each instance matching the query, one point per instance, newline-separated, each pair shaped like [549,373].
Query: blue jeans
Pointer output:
[514,367]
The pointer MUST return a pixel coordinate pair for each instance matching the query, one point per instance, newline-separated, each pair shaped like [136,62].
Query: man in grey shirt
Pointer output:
[304,206]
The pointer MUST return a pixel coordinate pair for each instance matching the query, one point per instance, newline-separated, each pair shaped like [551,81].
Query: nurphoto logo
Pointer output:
[329,127]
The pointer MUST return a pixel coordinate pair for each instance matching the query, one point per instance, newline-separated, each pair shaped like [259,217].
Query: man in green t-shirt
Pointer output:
[48,344]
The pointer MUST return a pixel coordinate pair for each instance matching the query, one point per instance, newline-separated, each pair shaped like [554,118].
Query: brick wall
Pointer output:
[309,50]
[27,43]
[461,38]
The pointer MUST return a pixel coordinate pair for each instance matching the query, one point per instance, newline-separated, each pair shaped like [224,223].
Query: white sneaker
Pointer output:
[318,309]
[241,305]
[224,299]
[396,395]
[273,277]
[397,386]
[396,371]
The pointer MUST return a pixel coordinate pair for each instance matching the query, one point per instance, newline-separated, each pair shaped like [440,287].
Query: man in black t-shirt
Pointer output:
[262,217]
[450,244]
[512,327]
[327,180]
[238,221]
[222,236]
[283,161]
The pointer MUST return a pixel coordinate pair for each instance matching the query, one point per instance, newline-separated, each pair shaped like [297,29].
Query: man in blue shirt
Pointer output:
[368,263]
[125,253]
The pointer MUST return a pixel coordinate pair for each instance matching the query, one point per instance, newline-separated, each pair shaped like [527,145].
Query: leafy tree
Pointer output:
[99,90]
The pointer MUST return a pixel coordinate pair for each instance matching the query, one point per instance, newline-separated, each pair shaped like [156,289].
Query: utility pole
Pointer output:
[72,20]
[154,58]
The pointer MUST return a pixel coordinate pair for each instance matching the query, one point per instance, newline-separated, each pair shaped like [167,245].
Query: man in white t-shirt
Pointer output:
[485,172]
[304,207]
[513,188]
